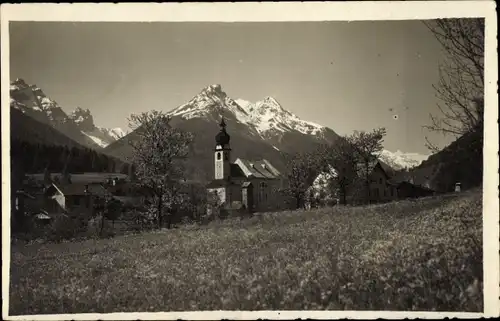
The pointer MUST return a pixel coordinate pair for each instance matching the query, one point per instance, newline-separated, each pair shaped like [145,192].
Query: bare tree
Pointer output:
[302,170]
[159,153]
[461,76]
[366,147]
[342,157]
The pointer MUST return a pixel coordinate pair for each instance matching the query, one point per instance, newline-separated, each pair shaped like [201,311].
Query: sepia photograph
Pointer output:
[168,166]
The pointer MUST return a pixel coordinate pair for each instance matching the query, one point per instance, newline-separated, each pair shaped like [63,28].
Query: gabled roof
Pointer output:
[387,169]
[258,169]
[417,178]
[23,193]
[79,189]
[88,177]
[235,171]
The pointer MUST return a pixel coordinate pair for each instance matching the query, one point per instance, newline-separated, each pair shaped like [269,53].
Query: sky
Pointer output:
[344,75]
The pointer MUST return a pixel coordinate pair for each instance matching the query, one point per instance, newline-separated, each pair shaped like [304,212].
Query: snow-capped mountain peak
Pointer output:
[78,125]
[267,117]
[83,118]
[400,160]
[116,133]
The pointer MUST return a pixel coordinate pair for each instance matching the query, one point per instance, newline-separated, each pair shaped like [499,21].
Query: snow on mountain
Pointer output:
[266,116]
[243,103]
[104,136]
[116,133]
[96,140]
[269,115]
[400,160]
[78,125]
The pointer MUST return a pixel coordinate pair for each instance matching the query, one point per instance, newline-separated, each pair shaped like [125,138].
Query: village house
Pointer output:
[53,195]
[249,184]
[387,185]
[76,198]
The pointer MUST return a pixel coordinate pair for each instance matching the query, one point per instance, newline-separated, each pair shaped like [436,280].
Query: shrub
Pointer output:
[66,227]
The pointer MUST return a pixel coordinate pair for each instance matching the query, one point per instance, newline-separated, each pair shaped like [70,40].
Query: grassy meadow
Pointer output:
[410,255]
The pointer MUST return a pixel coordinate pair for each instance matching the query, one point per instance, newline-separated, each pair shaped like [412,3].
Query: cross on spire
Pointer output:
[222,124]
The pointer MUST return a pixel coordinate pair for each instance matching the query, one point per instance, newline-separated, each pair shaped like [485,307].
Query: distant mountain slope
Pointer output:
[461,161]
[79,125]
[27,129]
[261,130]
[35,146]
[101,136]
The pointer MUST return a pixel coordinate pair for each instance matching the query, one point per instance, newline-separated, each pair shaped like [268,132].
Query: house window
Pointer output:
[76,200]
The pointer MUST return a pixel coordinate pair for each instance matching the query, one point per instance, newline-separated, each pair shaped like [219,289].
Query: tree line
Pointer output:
[352,158]
[36,158]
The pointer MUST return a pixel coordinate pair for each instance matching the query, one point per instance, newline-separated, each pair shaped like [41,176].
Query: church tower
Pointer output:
[222,153]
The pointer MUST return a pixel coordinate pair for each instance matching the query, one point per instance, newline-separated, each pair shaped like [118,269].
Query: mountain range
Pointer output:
[78,125]
[262,129]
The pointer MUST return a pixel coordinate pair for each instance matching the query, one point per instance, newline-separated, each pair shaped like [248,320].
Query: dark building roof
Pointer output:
[89,177]
[390,172]
[81,188]
[235,171]
[410,178]
[25,194]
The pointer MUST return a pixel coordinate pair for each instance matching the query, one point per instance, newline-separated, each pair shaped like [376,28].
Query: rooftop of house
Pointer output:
[74,189]
[89,177]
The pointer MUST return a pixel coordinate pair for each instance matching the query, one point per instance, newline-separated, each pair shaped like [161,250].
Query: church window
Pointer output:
[226,156]
[218,156]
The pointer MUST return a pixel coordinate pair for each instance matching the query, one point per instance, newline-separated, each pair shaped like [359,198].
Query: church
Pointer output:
[249,184]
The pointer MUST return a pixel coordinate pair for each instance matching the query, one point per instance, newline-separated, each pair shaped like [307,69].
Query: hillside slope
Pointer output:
[461,161]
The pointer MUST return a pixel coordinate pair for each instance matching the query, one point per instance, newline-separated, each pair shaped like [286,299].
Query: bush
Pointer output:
[66,227]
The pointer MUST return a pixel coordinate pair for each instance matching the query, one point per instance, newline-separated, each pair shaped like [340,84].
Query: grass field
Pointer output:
[409,255]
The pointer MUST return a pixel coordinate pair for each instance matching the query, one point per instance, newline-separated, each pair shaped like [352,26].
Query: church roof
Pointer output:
[258,169]
[235,171]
